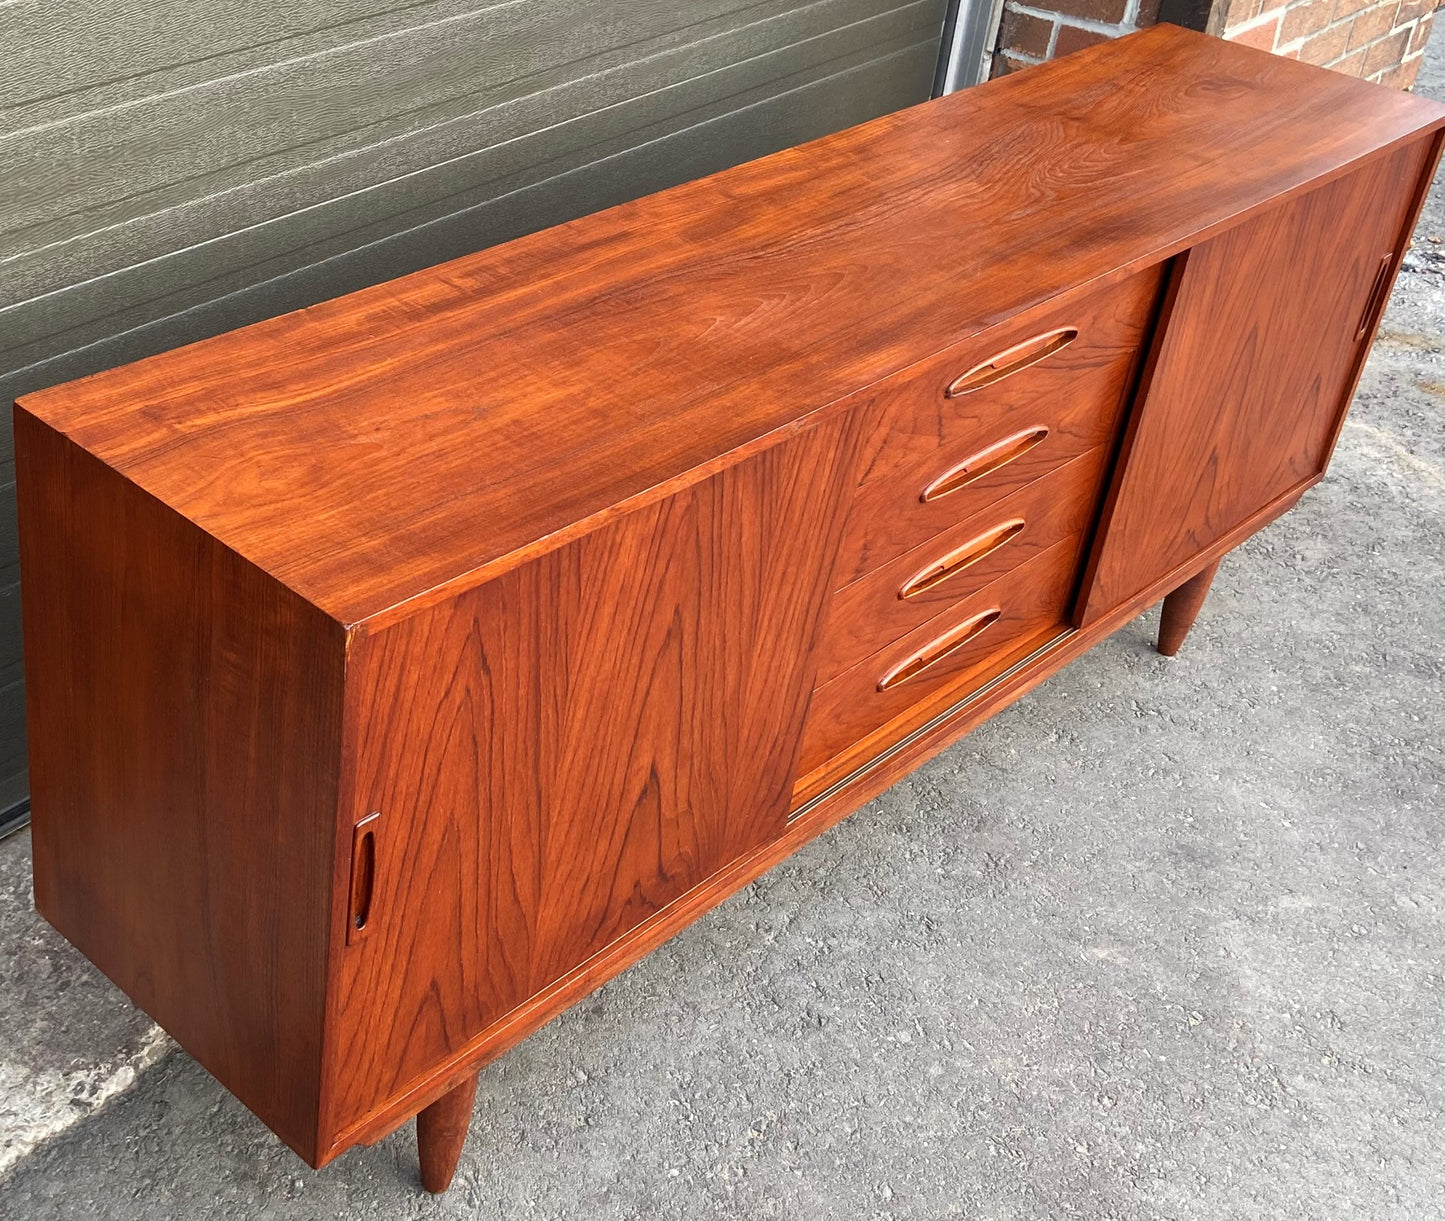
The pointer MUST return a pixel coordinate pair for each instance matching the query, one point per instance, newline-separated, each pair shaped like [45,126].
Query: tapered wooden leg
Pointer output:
[441,1131]
[1181,608]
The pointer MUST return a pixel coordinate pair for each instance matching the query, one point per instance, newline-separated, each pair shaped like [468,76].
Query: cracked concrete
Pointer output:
[71,1041]
[1165,939]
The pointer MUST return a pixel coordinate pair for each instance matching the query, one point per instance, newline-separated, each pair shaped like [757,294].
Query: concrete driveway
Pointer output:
[1166,939]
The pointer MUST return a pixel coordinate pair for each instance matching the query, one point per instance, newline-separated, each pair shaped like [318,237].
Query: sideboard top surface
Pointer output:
[372,448]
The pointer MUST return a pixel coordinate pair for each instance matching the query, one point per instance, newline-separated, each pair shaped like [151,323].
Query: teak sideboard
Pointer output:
[402,668]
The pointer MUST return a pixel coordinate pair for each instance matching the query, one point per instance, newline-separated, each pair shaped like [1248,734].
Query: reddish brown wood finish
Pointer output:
[871,613]
[1181,609]
[404,668]
[1032,598]
[564,751]
[441,1131]
[185,749]
[1253,372]
[338,448]
[915,435]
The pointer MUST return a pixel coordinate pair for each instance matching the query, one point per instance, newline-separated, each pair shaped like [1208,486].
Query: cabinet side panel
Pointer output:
[185,716]
[1257,360]
[561,753]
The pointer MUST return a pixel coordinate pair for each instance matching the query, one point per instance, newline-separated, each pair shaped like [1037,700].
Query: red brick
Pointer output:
[1401,76]
[1421,34]
[1025,34]
[1343,8]
[1246,11]
[1351,64]
[1261,36]
[1373,23]
[1326,46]
[1386,53]
[1108,11]
[1305,18]
[1072,38]
[1004,64]
[1148,13]
[1413,10]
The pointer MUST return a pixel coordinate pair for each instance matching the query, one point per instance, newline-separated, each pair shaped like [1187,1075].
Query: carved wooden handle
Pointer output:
[986,461]
[1011,360]
[363,877]
[1377,289]
[960,558]
[935,651]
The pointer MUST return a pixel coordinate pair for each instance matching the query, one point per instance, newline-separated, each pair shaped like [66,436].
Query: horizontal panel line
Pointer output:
[430,167]
[259,70]
[242,49]
[360,251]
[518,82]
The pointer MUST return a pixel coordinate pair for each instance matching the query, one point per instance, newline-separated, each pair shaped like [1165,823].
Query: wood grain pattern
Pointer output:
[916,434]
[185,730]
[1253,374]
[1032,598]
[869,613]
[560,753]
[644,342]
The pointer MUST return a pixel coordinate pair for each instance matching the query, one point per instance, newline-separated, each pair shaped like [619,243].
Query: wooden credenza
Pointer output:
[401,669]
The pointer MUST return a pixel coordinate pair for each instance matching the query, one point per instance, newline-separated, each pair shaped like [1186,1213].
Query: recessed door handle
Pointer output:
[936,650]
[363,877]
[1012,360]
[1377,290]
[960,558]
[985,462]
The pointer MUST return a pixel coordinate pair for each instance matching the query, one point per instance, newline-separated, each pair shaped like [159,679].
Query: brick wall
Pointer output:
[1033,32]
[1380,40]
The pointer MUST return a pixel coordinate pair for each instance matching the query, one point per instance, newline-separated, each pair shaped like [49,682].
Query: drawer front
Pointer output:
[916,586]
[968,638]
[953,435]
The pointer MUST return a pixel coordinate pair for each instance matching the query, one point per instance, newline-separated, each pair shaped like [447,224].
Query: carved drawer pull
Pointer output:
[363,877]
[1372,302]
[985,462]
[1012,360]
[950,642]
[960,558]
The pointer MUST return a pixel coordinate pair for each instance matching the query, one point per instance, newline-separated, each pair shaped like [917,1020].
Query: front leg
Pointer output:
[441,1131]
[1181,608]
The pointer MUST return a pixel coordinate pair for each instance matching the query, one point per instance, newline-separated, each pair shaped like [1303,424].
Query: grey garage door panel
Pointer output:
[134,159]
[85,54]
[13,778]
[423,170]
[10,667]
[9,541]
[102,309]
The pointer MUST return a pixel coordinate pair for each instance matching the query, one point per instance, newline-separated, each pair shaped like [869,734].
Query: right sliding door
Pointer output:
[1262,337]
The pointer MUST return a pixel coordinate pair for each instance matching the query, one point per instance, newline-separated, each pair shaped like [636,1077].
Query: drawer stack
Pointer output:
[980,474]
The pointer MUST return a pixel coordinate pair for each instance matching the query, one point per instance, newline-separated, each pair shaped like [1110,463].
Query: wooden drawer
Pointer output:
[966,637]
[911,589]
[959,431]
